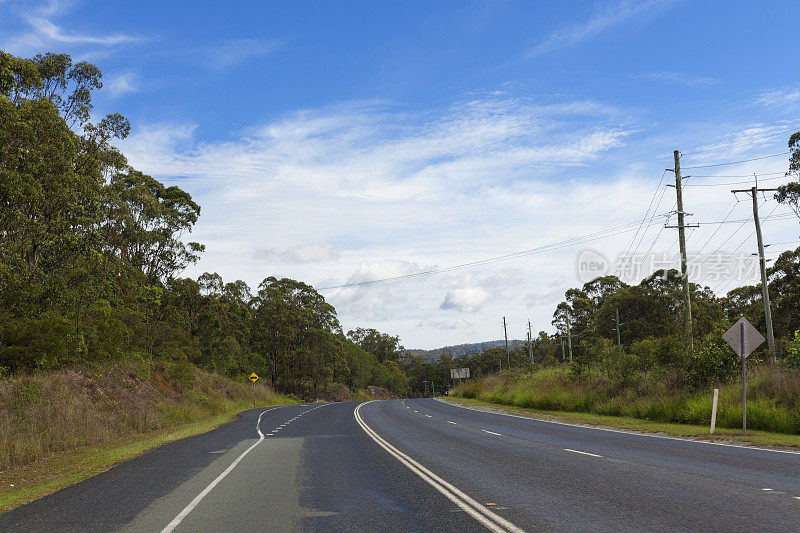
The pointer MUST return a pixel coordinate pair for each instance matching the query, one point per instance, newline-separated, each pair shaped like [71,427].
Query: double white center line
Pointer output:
[487,518]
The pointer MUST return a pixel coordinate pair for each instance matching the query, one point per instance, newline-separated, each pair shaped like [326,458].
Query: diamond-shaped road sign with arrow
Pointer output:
[743,337]
[253,377]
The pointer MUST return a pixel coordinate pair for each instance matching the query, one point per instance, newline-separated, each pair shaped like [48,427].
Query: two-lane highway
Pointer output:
[422,465]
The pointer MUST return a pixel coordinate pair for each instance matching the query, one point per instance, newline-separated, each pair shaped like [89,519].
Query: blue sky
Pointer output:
[343,142]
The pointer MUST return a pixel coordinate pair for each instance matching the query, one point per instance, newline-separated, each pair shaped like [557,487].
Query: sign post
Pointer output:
[459,373]
[253,377]
[744,338]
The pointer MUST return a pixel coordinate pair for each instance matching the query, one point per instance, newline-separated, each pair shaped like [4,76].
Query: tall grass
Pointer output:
[773,402]
[44,413]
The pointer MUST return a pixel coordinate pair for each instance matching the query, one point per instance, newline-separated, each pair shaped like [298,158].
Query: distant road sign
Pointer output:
[253,377]
[459,373]
[752,338]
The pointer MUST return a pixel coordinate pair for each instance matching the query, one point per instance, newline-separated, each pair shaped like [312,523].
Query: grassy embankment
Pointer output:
[773,406]
[58,428]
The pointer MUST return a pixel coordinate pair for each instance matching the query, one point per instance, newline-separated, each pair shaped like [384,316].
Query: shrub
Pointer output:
[621,366]
[713,361]
[792,359]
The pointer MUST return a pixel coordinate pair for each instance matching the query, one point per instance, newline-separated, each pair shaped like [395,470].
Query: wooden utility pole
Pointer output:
[569,340]
[619,342]
[505,333]
[530,342]
[762,263]
[687,304]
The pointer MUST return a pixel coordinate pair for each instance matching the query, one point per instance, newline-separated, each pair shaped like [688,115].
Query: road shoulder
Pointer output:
[756,439]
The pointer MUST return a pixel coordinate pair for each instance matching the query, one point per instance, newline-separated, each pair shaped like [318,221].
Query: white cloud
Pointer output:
[43,33]
[53,33]
[780,98]
[301,253]
[465,299]
[446,324]
[680,78]
[400,193]
[120,84]
[237,51]
[613,15]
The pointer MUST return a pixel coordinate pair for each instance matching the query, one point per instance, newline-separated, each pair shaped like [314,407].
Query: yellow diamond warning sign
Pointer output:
[253,377]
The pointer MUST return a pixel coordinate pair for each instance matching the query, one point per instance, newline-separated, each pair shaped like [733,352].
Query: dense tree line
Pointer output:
[91,252]
[651,339]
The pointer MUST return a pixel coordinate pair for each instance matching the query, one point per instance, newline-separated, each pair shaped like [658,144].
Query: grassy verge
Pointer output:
[59,470]
[63,426]
[759,438]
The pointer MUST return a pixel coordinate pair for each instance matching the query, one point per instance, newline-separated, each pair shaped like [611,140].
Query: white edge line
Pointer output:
[469,505]
[583,453]
[192,504]
[491,432]
[630,432]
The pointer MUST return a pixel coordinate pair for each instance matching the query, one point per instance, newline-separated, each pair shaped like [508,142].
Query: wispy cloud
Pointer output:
[446,325]
[302,253]
[53,33]
[680,78]
[613,15]
[237,51]
[43,32]
[779,98]
[397,192]
[119,84]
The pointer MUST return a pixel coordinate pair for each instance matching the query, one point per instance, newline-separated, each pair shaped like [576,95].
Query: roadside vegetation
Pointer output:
[105,349]
[59,427]
[91,252]
[773,402]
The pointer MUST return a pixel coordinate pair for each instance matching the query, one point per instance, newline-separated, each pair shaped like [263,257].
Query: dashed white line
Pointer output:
[767,489]
[451,422]
[582,453]
[429,416]
[491,432]
[624,432]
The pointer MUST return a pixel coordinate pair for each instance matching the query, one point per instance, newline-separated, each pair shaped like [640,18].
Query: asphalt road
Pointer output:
[421,465]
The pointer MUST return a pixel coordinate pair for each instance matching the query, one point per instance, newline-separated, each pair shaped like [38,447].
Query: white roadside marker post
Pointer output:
[714,411]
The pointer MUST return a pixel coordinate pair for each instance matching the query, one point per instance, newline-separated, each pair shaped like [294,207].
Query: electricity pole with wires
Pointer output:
[762,263]
[687,304]
[505,333]
[530,342]
[619,342]
[569,340]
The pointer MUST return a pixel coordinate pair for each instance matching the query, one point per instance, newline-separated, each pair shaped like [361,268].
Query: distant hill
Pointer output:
[461,349]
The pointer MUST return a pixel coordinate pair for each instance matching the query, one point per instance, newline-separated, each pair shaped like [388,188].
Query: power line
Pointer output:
[646,213]
[735,203]
[544,248]
[736,162]
[719,286]
[738,175]
[734,182]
